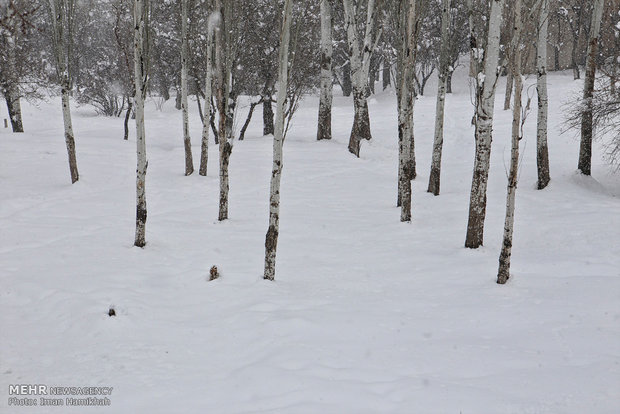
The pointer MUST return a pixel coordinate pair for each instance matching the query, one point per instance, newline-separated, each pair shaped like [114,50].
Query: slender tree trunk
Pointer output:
[15,110]
[444,63]
[405,114]
[268,128]
[247,120]
[271,239]
[189,162]
[325,105]
[140,78]
[62,12]
[222,85]
[509,87]
[585,148]
[204,148]
[504,259]
[386,77]
[542,149]
[347,83]
[449,81]
[127,116]
[485,102]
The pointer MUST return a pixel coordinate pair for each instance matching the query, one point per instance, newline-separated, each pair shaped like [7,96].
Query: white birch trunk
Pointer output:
[503,272]
[485,103]
[360,65]
[444,67]
[222,89]
[271,239]
[325,104]
[405,114]
[189,162]
[140,79]
[204,150]
[542,148]
[61,18]
[585,148]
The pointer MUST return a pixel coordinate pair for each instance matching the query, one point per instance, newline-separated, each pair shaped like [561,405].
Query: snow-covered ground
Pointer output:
[367,315]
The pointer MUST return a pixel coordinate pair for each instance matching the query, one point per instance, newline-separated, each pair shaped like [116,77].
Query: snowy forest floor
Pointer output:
[367,315]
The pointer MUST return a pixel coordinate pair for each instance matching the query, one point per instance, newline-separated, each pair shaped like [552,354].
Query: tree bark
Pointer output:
[542,148]
[444,66]
[271,239]
[585,148]
[360,65]
[140,79]
[503,272]
[324,130]
[485,102]
[405,114]
[15,110]
[347,87]
[62,20]
[204,147]
[127,116]
[222,86]
[187,142]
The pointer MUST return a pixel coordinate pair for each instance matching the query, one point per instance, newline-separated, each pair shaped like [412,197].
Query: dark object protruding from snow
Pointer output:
[213,273]
[111,312]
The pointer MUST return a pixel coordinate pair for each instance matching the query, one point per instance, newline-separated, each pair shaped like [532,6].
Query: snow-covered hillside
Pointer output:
[367,314]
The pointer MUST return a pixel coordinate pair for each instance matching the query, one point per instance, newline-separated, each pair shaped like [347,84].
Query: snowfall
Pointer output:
[367,314]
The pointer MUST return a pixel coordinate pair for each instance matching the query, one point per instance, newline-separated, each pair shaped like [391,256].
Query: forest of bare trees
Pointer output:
[114,54]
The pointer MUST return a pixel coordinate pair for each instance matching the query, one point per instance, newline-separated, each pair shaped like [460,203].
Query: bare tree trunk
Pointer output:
[444,67]
[271,239]
[542,149]
[347,86]
[140,78]
[360,65]
[503,272]
[508,93]
[405,113]
[127,116]
[386,77]
[247,120]
[585,148]
[15,110]
[222,85]
[189,162]
[485,102]
[204,148]
[325,104]
[62,12]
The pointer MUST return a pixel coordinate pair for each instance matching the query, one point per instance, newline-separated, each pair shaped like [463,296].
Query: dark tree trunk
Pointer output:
[449,82]
[127,115]
[247,121]
[387,80]
[268,128]
[347,86]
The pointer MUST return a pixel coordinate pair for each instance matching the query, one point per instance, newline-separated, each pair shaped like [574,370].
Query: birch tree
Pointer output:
[140,15]
[62,13]
[444,69]
[9,78]
[325,104]
[503,272]
[223,66]
[189,162]
[204,149]
[360,52]
[405,111]
[271,239]
[585,148]
[485,84]
[542,148]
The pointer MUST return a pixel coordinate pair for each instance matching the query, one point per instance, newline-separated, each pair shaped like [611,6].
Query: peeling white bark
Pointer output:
[271,239]
[187,142]
[325,104]
[542,148]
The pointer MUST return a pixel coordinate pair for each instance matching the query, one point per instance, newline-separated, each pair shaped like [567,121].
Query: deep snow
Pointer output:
[367,315]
